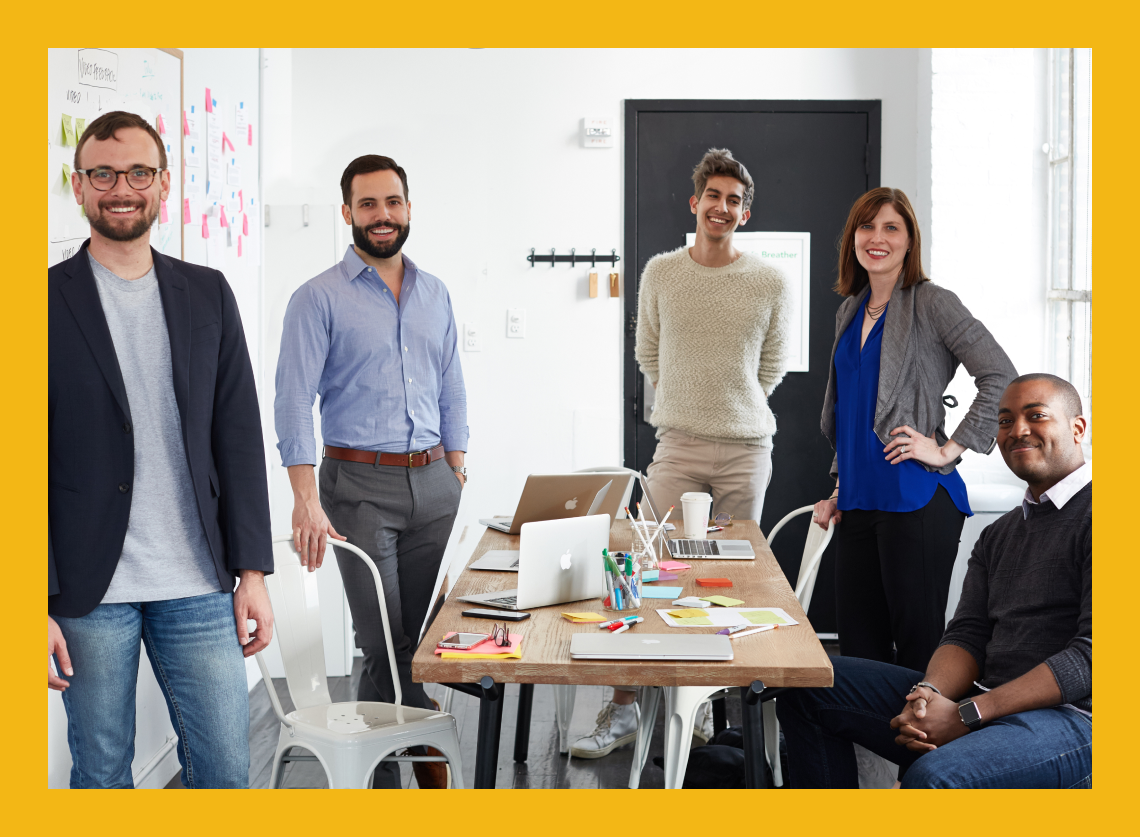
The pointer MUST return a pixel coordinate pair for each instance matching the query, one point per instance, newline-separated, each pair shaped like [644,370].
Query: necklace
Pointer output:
[874,312]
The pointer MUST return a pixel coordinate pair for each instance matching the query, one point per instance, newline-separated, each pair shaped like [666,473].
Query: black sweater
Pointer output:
[1027,598]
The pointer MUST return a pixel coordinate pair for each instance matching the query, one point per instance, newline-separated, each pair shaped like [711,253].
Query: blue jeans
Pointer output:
[193,648]
[1042,748]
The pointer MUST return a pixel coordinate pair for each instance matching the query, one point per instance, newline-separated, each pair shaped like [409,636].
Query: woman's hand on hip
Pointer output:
[908,443]
[827,511]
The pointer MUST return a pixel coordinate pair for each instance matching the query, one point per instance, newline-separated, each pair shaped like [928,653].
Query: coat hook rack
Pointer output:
[613,258]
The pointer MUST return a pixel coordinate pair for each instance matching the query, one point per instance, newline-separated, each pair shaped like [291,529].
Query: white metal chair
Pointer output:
[348,739]
[682,702]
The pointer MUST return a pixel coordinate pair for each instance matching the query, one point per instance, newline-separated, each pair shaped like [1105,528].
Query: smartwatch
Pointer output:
[968,712]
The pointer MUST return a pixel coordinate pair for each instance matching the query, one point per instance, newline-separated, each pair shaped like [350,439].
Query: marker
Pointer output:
[622,619]
[753,631]
[621,629]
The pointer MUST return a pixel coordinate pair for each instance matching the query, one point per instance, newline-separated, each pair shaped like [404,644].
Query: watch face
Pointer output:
[969,713]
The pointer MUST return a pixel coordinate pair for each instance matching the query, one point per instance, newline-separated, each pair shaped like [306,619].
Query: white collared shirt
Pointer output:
[1060,493]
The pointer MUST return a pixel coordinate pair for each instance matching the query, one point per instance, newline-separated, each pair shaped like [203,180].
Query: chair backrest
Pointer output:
[616,469]
[297,623]
[814,545]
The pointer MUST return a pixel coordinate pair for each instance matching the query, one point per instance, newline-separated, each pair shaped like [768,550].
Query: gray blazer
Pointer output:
[927,333]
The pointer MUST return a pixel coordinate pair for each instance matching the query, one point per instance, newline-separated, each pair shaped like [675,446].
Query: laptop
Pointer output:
[723,550]
[635,646]
[559,561]
[557,496]
[507,560]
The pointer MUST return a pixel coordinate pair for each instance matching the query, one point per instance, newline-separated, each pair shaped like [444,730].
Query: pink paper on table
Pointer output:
[164,216]
[251,133]
[209,101]
[674,565]
[161,125]
[666,576]
[239,246]
[487,647]
[244,224]
[224,222]
[205,227]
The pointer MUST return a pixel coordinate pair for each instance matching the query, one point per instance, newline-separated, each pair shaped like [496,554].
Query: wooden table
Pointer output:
[764,663]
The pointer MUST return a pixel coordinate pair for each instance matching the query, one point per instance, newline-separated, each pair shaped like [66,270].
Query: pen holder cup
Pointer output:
[624,596]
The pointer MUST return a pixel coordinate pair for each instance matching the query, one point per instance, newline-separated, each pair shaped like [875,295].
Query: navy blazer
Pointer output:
[91,447]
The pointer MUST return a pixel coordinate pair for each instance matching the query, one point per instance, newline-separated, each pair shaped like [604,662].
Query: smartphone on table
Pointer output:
[459,641]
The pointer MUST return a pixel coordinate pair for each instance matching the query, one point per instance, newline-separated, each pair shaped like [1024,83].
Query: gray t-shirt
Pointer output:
[165,553]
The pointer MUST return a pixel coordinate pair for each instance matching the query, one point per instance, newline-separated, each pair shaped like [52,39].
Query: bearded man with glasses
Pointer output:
[157,494]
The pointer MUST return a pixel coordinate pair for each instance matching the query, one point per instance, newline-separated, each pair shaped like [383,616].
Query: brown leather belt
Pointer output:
[415,459]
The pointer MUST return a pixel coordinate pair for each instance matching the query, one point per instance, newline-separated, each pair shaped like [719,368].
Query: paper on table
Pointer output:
[646,575]
[585,617]
[664,576]
[674,565]
[693,620]
[723,601]
[686,612]
[483,651]
[727,617]
[661,592]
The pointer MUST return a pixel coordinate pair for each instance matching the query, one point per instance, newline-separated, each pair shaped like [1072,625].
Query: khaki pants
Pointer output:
[736,474]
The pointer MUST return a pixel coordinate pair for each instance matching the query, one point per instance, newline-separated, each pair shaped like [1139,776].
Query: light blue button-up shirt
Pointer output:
[388,375]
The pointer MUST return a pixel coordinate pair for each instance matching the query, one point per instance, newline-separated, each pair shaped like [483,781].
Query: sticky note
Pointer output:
[674,565]
[209,101]
[68,130]
[224,222]
[185,124]
[660,592]
[723,601]
[66,175]
[249,140]
[227,141]
[714,582]
[664,576]
[80,127]
[163,216]
[762,617]
[693,620]
[683,612]
[186,211]
[649,575]
[244,224]
[239,246]
[585,617]
[205,227]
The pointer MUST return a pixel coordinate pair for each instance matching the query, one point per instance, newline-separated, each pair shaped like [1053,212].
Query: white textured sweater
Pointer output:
[715,342]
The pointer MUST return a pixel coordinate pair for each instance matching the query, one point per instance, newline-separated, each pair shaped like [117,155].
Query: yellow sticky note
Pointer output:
[80,127]
[66,175]
[763,617]
[693,620]
[68,130]
[585,617]
[723,601]
[686,612]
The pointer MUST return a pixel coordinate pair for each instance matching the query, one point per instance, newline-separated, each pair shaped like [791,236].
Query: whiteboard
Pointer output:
[85,83]
[790,252]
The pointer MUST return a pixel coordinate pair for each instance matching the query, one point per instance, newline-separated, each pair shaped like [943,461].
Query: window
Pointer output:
[1070,219]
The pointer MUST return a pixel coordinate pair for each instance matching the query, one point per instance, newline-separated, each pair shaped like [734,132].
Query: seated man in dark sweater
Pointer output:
[1006,700]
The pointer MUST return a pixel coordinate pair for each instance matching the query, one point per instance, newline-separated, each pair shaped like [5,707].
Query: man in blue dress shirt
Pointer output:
[375,337]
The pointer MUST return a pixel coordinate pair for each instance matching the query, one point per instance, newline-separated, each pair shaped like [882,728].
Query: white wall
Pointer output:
[490,142]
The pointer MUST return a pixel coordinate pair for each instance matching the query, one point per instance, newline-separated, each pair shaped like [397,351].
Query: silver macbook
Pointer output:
[634,646]
[558,496]
[559,561]
[721,550]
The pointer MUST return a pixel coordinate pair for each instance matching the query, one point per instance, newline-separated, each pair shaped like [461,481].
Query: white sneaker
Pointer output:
[617,725]
[703,723]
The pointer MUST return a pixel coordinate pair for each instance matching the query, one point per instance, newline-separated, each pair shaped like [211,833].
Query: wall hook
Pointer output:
[593,257]
[532,257]
[573,251]
[552,259]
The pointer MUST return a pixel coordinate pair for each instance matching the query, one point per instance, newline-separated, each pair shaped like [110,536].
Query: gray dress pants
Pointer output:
[402,517]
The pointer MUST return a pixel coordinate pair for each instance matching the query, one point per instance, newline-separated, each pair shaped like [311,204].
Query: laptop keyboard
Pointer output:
[695,548]
[508,601]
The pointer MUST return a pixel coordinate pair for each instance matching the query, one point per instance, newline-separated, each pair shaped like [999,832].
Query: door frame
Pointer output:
[632,395]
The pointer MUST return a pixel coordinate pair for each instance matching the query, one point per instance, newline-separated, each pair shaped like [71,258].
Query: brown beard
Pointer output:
[102,225]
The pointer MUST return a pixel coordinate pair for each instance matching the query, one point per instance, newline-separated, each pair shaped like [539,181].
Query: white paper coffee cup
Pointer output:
[695,506]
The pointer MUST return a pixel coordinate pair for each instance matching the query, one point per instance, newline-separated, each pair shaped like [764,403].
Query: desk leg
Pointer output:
[720,715]
[753,718]
[490,725]
[522,725]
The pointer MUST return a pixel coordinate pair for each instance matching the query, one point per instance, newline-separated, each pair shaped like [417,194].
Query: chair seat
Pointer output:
[361,720]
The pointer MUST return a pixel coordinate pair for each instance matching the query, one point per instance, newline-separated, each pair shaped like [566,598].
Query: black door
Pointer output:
[810,160]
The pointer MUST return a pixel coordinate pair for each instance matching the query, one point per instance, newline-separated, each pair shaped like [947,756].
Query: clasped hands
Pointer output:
[928,721]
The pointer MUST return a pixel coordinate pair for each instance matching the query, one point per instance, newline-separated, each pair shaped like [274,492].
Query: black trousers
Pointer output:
[892,578]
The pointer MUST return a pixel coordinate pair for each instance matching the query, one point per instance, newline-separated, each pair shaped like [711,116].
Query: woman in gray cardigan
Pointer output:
[898,340]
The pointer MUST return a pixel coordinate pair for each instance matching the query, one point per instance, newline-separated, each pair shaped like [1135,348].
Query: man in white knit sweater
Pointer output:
[712,336]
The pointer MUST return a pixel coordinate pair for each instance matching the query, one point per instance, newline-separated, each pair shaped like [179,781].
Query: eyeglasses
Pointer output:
[722,519]
[104,178]
[499,635]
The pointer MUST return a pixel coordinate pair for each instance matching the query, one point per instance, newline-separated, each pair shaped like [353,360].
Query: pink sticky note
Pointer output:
[241,198]
[223,222]
[164,216]
[186,211]
[244,224]
[663,576]
[251,133]
[205,227]
[674,565]
[185,124]
[226,141]
[209,101]
[239,246]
